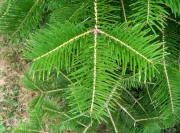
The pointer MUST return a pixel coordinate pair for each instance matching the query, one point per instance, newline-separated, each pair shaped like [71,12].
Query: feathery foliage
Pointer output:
[17,20]
[97,62]
[174,5]
[149,12]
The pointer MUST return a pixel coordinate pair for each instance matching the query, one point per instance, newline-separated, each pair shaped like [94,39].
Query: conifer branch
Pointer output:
[147,89]
[36,86]
[87,127]
[39,99]
[110,96]
[94,72]
[126,111]
[124,11]
[132,78]
[95,56]
[39,121]
[166,75]
[7,9]
[52,91]
[126,45]
[26,17]
[95,14]
[60,113]
[148,10]
[75,12]
[109,99]
[55,111]
[66,77]
[136,101]
[133,118]
[111,118]
[75,117]
[147,119]
[175,21]
[64,44]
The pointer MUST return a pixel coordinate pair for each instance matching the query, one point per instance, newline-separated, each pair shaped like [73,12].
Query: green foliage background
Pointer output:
[98,62]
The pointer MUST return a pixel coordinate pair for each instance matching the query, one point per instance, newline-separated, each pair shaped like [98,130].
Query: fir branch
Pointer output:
[172,19]
[7,8]
[123,9]
[113,123]
[148,11]
[150,97]
[136,101]
[126,111]
[87,127]
[126,45]
[94,72]
[21,18]
[63,45]
[148,119]
[26,17]
[167,77]
[95,55]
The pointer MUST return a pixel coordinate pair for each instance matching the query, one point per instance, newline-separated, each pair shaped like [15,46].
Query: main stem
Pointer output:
[96,30]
